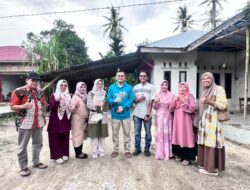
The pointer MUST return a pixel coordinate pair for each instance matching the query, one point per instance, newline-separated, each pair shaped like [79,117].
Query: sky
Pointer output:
[143,23]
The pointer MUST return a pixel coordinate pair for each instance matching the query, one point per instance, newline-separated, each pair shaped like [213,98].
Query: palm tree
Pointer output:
[184,20]
[209,22]
[213,12]
[114,29]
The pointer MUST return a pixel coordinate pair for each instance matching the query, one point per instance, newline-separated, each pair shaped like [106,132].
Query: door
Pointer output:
[167,76]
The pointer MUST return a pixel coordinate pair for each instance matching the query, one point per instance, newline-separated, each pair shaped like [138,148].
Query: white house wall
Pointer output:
[157,74]
[225,62]
[240,76]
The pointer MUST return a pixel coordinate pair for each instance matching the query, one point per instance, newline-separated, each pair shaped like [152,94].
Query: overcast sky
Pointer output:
[149,22]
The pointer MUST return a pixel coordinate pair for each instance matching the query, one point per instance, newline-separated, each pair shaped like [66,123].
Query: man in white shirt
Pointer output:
[144,96]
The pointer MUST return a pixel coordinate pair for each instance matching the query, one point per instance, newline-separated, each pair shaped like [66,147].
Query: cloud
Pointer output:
[152,22]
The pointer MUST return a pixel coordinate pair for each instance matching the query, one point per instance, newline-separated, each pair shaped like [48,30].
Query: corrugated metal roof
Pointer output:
[178,41]
[13,54]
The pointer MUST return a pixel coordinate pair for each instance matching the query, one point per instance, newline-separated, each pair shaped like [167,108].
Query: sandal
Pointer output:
[178,159]
[114,154]
[40,166]
[185,162]
[25,172]
[82,156]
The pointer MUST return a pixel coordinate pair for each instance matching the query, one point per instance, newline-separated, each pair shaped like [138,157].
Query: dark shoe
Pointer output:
[136,152]
[128,155]
[40,166]
[82,156]
[114,154]
[146,153]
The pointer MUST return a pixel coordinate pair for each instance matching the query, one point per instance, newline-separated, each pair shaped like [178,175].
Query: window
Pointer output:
[182,76]
[167,76]
[217,78]
[228,84]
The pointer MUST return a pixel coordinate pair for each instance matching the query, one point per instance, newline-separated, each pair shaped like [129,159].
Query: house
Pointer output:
[14,65]
[183,57]
[186,56]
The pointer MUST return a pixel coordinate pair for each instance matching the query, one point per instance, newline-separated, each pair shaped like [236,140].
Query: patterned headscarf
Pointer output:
[207,92]
[64,102]
[83,96]
[182,96]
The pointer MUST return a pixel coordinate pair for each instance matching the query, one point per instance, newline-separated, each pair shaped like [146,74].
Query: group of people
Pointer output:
[184,130]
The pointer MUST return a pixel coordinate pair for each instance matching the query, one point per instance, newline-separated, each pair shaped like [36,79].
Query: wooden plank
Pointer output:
[51,82]
[246,72]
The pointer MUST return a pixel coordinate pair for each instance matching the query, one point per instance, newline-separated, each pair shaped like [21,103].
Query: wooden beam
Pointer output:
[145,61]
[246,72]
[51,82]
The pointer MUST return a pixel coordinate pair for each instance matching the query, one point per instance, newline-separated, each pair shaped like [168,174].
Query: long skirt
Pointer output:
[211,158]
[184,153]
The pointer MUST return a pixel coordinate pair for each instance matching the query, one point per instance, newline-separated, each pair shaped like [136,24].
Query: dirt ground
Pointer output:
[120,173]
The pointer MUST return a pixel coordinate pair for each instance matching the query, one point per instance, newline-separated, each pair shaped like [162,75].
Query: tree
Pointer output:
[213,13]
[184,20]
[114,29]
[58,48]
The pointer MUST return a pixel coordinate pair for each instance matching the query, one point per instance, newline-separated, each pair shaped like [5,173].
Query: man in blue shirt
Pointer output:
[121,98]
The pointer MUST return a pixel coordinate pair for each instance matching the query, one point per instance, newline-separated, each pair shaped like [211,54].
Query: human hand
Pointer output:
[73,107]
[176,98]
[118,99]
[27,105]
[142,98]
[119,109]
[205,100]
[100,104]
[157,99]
[146,118]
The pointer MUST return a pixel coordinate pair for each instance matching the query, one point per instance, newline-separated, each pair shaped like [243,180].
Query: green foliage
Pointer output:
[114,29]
[57,48]
[130,78]
[184,20]
[212,19]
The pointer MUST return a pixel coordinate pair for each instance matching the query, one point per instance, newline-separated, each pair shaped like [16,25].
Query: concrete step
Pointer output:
[239,133]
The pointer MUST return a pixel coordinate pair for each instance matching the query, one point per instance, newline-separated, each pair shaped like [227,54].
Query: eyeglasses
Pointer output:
[143,75]
[120,76]
[34,80]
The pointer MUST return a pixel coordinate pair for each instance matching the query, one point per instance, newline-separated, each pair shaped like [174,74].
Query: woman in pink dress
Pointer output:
[183,138]
[163,123]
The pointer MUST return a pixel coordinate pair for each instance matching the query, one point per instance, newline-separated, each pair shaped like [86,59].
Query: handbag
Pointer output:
[223,115]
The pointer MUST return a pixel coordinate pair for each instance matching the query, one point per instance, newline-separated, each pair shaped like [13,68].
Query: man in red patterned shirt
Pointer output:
[29,103]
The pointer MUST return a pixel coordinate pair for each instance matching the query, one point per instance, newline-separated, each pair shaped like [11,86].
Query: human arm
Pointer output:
[130,100]
[189,104]
[53,103]
[110,97]
[16,103]
[221,99]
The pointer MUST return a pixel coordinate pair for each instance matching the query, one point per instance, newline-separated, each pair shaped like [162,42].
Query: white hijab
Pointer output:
[64,102]
[99,95]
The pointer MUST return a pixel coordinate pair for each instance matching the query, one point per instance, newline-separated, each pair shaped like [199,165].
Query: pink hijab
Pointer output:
[182,96]
[83,96]
[165,96]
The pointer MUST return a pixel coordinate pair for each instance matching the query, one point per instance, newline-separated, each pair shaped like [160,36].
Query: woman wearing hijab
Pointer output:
[163,123]
[183,138]
[59,122]
[211,150]
[98,118]
[78,118]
